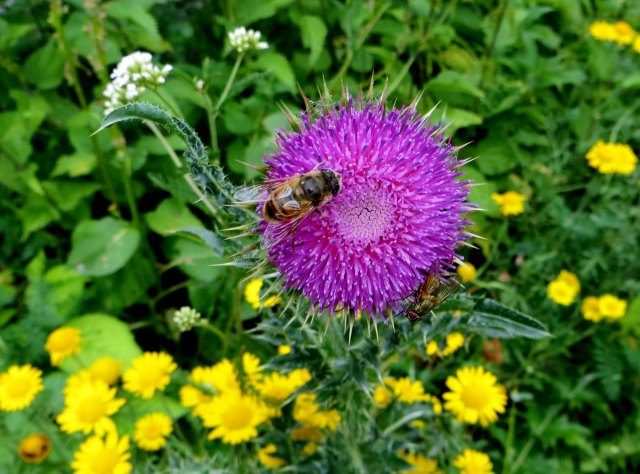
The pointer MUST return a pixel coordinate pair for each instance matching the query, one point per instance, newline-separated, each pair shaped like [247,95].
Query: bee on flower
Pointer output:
[371,245]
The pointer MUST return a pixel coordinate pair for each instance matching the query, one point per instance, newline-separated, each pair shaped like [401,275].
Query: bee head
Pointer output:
[333,180]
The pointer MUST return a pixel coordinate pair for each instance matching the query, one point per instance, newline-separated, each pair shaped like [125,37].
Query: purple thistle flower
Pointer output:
[400,209]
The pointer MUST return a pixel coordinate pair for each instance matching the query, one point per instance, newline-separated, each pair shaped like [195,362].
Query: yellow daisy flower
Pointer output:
[277,387]
[625,34]
[152,430]
[564,289]
[603,31]
[191,396]
[220,377]
[455,340]
[98,455]
[420,464]
[511,203]
[284,350]
[475,396]
[252,295]
[432,348]
[467,272]
[591,309]
[612,307]
[309,449]
[473,462]
[251,368]
[609,158]
[407,391]
[149,372]
[63,342]
[636,44]
[307,412]
[265,457]
[234,417]
[19,385]
[34,448]
[382,396]
[88,407]
[106,369]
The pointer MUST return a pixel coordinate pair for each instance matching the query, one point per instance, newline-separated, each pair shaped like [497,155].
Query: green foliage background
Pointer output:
[520,80]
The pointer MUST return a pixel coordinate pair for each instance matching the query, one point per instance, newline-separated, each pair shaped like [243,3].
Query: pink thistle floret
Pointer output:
[401,207]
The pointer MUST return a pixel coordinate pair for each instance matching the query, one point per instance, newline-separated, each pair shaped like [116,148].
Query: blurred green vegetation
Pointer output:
[89,222]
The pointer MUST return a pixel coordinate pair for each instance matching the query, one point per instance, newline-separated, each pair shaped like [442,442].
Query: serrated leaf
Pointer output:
[209,177]
[497,320]
[102,247]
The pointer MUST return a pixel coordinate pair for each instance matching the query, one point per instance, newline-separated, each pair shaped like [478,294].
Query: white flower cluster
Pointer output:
[243,40]
[187,318]
[133,74]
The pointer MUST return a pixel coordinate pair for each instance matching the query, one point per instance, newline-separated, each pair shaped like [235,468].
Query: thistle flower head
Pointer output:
[243,40]
[399,211]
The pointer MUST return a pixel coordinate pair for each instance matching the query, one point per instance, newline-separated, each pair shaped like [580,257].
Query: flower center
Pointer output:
[476,398]
[152,431]
[104,461]
[363,217]
[91,410]
[238,416]
[19,387]
[150,377]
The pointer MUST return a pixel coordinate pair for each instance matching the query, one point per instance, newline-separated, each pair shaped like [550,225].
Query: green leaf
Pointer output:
[452,81]
[68,194]
[35,214]
[631,321]
[313,33]
[481,192]
[102,247]
[249,11]
[45,67]
[170,216]
[497,320]
[67,287]
[195,259]
[210,238]
[102,336]
[277,64]
[77,164]
[136,408]
[495,155]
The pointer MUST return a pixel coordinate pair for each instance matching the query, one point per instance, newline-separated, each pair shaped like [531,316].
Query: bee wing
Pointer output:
[251,194]
[445,290]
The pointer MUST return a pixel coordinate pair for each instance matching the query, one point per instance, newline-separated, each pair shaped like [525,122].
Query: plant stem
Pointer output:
[166,102]
[508,449]
[212,113]
[128,187]
[227,86]
[56,22]
[176,161]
